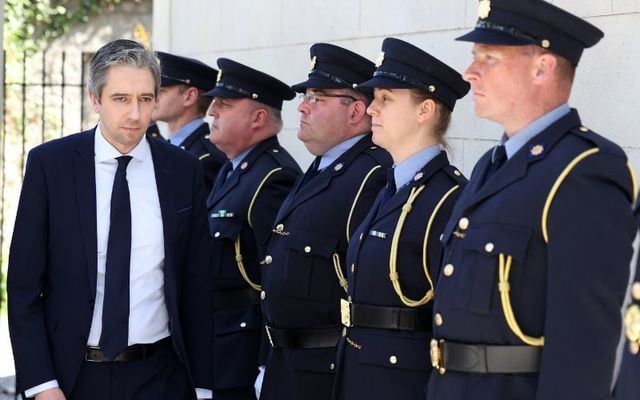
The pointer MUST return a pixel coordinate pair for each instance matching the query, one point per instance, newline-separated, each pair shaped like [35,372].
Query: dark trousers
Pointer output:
[244,393]
[158,377]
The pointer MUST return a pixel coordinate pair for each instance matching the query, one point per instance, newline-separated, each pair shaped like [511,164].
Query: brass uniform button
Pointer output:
[353,268]
[307,249]
[217,234]
[344,332]
[243,324]
[448,270]
[332,366]
[584,129]
[268,259]
[393,360]
[463,223]
[489,247]
[456,172]
[280,228]
[263,295]
[438,319]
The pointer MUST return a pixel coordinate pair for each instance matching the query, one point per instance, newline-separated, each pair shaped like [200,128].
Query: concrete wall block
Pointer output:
[625,6]
[607,85]
[383,17]
[313,21]
[473,150]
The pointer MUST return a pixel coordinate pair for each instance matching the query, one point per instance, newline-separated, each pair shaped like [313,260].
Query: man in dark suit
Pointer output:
[303,274]
[536,253]
[109,280]
[242,206]
[181,105]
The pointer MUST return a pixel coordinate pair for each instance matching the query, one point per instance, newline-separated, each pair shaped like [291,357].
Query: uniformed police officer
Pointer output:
[539,243]
[394,258]
[303,274]
[242,206]
[628,386]
[182,107]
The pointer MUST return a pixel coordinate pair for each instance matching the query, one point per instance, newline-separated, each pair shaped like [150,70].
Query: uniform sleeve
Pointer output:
[26,281]
[197,304]
[591,230]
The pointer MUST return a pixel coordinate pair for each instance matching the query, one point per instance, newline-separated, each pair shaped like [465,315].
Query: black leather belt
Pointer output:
[381,317]
[484,359]
[235,298]
[304,338]
[136,352]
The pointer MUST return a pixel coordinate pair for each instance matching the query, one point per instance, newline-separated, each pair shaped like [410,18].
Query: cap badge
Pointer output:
[313,63]
[338,167]
[219,77]
[484,8]
[380,59]
[254,96]
[537,150]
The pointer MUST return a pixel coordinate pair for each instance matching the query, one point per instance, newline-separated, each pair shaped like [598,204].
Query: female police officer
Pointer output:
[394,255]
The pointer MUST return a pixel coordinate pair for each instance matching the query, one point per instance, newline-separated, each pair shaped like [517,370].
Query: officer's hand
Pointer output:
[51,394]
[258,383]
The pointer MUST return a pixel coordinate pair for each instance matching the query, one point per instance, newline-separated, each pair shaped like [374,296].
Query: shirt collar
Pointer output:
[236,161]
[336,151]
[185,131]
[515,143]
[407,169]
[104,151]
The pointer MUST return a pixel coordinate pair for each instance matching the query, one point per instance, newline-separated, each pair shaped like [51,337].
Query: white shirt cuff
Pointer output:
[32,392]
[204,393]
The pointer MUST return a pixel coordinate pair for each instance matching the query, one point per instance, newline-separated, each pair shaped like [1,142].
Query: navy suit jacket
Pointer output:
[567,282]
[53,261]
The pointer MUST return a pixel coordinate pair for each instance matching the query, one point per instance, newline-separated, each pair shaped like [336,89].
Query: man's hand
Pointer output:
[51,394]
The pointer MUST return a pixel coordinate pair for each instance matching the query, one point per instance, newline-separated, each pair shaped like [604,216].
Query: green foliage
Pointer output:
[30,24]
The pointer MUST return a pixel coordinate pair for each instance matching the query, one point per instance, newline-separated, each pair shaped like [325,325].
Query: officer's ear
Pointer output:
[358,111]
[545,66]
[426,111]
[190,96]
[259,118]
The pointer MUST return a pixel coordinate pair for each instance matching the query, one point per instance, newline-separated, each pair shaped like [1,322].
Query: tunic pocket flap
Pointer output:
[498,239]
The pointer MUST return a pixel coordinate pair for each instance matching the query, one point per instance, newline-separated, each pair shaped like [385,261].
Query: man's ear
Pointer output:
[358,111]
[190,96]
[544,67]
[259,118]
[95,102]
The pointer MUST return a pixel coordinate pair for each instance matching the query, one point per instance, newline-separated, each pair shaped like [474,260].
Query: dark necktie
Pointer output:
[499,157]
[390,189]
[312,172]
[222,175]
[115,310]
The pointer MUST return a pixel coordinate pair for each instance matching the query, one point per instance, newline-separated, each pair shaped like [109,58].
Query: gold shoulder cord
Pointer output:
[634,183]
[393,254]
[355,200]
[239,260]
[336,258]
[505,261]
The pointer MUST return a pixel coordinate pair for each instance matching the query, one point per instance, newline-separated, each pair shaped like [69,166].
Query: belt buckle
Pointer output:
[345,313]
[266,327]
[435,351]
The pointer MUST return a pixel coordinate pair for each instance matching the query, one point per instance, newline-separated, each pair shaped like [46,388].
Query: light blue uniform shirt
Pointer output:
[185,131]
[404,172]
[336,151]
[515,143]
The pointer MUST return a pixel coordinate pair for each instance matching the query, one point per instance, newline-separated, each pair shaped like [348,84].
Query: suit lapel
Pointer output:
[164,182]
[85,191]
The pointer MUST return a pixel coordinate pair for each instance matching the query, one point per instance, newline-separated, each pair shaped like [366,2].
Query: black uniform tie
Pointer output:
[390,189]
[499,157]
[312,172]
[222,175]
[115,310]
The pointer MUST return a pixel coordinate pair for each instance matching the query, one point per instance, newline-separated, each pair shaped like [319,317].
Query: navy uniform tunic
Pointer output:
[568,256]
[628,387]
[385,363]
[300,283]
[211,159]
[244,207]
